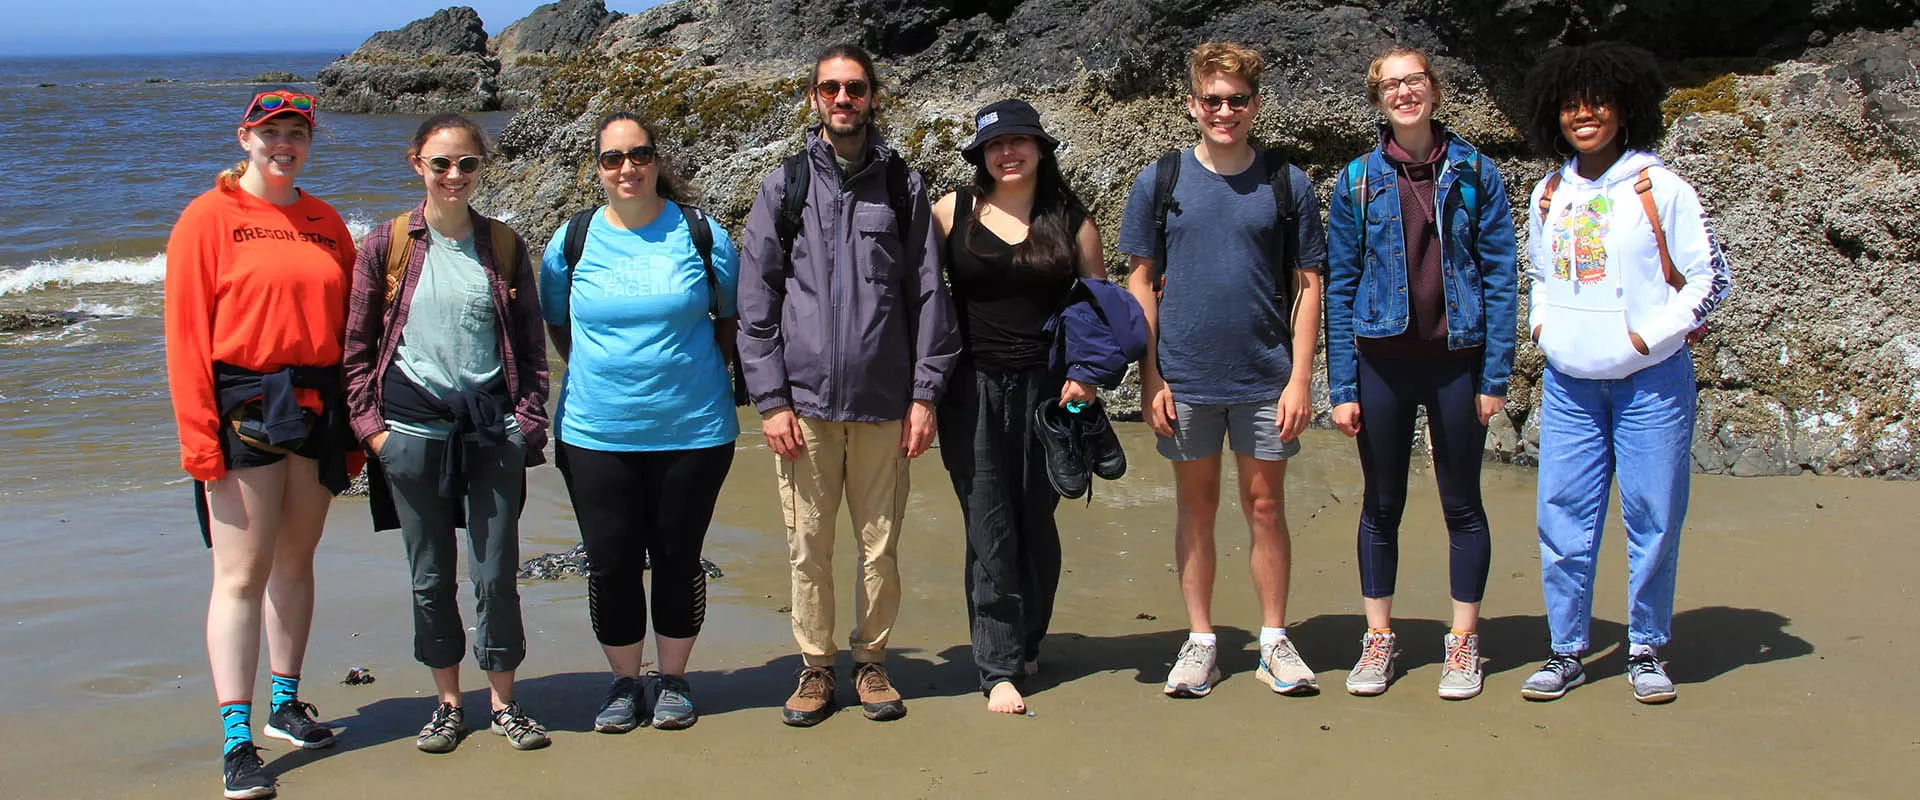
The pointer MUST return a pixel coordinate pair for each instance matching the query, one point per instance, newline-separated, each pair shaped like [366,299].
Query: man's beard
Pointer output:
[847,130]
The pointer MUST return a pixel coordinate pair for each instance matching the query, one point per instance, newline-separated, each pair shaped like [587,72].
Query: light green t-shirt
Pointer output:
[449,343]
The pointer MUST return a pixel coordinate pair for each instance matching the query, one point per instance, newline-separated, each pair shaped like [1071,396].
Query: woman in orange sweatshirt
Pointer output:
[256,297]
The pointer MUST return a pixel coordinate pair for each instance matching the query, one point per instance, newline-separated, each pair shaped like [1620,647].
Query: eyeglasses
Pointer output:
[1412,80]
[829,90]
[1212,103]
[266,104]
[614,159]
[441,164]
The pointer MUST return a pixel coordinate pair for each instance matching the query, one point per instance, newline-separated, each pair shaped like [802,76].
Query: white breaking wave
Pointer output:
[76,271]
[71,272]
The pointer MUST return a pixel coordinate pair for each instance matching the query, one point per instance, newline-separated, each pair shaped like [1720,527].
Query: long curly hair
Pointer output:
[1613,74]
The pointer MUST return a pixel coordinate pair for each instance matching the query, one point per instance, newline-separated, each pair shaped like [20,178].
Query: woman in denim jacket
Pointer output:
[1420,312]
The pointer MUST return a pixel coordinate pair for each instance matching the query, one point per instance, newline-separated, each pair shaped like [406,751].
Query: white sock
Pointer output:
[1639,650]
[1270,635]
[1208,639]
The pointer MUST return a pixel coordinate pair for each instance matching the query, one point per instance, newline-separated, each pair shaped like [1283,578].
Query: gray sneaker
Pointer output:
[1650,682]
[672,703]
[1374,670]
[1460,676]
[1560,673]
[1282,669]
[621,712]
[1194,672]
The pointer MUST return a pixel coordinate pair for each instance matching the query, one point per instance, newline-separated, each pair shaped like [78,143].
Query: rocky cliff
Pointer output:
[446,62]
[1798,122]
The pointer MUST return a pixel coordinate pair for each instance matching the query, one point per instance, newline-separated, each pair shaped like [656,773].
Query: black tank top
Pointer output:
[1002,307]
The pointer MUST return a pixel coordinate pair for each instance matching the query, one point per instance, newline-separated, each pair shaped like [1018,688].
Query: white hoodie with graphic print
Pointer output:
[1597,275]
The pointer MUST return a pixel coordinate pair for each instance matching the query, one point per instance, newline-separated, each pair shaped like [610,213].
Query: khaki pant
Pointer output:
[863,460]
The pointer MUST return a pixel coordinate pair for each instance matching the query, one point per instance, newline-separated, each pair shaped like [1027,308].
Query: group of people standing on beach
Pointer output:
[860,319]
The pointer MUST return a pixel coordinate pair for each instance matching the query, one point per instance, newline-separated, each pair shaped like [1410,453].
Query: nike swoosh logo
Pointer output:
[313,219]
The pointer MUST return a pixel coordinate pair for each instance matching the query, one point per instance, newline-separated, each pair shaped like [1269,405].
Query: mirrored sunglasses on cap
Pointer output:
[267,105]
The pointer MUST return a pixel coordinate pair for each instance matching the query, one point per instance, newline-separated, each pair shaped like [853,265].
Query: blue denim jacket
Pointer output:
[1367,267]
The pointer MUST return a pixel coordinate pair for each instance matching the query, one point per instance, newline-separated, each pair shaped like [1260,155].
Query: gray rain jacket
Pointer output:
[861,324]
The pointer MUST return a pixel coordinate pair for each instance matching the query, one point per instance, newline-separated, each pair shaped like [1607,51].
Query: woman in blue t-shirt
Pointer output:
[645,422]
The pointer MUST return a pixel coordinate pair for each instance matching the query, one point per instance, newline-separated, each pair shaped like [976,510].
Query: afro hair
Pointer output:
[1613,74]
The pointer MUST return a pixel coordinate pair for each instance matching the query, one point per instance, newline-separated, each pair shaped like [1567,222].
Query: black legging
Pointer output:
[1390,391]
[636,506]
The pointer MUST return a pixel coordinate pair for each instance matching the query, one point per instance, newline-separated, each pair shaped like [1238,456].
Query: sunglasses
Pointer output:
[1212,102]
[1412,80]
[441,164]
[829,90]
[614,159]
[267,104]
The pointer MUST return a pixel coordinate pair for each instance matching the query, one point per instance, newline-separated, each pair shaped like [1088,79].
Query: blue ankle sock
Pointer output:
[237,719]
[286,689]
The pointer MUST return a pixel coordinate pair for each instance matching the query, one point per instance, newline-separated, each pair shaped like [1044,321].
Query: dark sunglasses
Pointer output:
[467,164]
[1211,103]
[614,159]
[829,90]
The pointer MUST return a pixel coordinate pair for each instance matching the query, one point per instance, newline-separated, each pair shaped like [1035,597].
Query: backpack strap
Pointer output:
[576,242]
[1644,188]
[795,173]
[1166,172]
[900,194]
[1285,221]
[1546,195]
[700,229]
[962,215]
[506,253]
[399,246]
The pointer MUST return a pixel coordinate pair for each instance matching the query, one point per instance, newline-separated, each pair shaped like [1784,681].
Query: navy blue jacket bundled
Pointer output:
[1097,333]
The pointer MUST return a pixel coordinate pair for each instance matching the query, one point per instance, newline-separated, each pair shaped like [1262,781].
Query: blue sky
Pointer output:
[98,27]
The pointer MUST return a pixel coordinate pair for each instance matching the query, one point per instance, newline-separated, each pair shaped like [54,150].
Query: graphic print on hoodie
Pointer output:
[1579,241]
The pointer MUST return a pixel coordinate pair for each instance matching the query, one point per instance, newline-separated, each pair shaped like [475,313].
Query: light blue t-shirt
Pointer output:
[645,373]
[1223,336]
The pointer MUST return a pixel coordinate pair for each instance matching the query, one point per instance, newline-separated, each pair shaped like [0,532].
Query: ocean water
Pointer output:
[94,170]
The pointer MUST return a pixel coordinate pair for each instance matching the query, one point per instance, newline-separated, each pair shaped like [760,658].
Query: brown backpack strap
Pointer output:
[506,253]
[1546,195]
[1644,188]
[399,246]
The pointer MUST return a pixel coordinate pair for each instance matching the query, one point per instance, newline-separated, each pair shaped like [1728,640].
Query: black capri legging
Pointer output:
[639,506]
[1390,391]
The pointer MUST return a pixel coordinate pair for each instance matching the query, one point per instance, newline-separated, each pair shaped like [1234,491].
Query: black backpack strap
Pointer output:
[700,229]
[576,242]
[1166,172]
[796,172]
[962,215]
[899,194]
[1285,228]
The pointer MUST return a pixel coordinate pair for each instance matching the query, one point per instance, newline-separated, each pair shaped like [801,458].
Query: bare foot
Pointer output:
[1033,668]
[1005,699]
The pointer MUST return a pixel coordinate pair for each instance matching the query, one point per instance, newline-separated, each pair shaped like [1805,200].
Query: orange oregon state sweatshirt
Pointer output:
[256,286]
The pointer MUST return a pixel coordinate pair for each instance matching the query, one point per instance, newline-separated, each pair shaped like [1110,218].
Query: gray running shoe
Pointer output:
[1460,676]
[443,731]
[672,703]
[1374,670]
[1194,672]
[1560,673]
[621,712]
[521,731]
[1650,682]
[1282,668]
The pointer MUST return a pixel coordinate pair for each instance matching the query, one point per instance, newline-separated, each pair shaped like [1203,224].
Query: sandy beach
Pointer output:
[1795,604]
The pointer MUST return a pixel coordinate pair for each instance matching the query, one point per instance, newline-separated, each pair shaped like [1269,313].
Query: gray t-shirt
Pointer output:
[450,342]
[1222,334]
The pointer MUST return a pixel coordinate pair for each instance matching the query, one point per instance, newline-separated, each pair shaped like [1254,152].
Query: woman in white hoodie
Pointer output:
[1625,269]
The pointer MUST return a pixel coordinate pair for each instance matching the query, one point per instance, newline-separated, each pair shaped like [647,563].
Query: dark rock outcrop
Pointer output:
[439,63]
[1808,156]
[29,320]
[529,51]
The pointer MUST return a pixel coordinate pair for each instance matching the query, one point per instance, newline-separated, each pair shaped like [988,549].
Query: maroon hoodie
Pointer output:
[1425,338]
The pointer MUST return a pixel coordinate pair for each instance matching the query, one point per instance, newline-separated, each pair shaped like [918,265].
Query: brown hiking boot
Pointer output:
[812,701]
[878,698]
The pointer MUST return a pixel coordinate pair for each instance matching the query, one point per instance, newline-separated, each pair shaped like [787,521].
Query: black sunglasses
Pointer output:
[829,90]
[467,164]
[614,159]
[1211,103]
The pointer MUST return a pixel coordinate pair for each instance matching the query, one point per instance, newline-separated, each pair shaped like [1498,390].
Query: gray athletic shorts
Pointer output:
[1248,427]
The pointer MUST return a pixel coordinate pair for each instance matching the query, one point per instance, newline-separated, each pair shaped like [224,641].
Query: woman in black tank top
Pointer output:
[1013,244]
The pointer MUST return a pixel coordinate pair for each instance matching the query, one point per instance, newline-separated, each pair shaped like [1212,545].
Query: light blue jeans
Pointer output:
[1639,429]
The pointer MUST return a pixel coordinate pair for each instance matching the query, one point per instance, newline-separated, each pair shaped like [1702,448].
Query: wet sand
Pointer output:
[1793,651]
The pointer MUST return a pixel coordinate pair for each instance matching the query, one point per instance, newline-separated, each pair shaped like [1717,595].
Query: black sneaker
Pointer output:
[1066,464]
[293,721]
[1100,443]
[245,774]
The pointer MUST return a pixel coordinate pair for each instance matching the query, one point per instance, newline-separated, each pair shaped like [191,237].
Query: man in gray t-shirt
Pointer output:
[1232,351]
